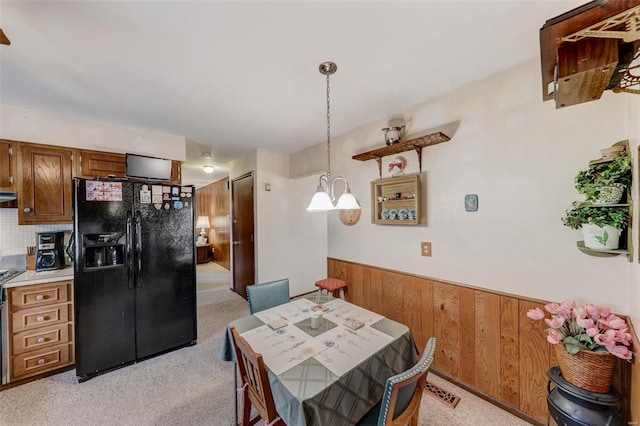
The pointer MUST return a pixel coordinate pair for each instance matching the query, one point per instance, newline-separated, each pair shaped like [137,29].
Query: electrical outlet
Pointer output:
[425,249]
[267,186]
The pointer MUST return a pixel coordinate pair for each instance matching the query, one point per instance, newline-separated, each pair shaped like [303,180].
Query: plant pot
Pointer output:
[610,194]
[605,238]
[587,370]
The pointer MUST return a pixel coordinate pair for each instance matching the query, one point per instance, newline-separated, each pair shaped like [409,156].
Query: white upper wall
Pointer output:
[291,242]
[520,155]
[47,128]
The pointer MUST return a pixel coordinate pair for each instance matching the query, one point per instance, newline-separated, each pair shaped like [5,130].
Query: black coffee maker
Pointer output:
[50,251]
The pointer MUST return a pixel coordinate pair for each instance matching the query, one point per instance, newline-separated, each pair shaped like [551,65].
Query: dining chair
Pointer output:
[256,390]
[402,396]
[267,295]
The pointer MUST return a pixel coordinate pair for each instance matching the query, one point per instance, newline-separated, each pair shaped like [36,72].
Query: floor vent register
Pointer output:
[442,395]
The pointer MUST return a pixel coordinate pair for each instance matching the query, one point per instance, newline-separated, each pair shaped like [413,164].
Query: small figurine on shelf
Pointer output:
[396,166]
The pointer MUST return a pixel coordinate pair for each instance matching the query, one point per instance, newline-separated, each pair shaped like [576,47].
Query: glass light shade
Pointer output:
[320,202]
[207,169]
[203,222]
[347,202]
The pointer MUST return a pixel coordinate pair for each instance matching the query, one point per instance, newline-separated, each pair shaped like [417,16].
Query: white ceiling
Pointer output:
[232,76]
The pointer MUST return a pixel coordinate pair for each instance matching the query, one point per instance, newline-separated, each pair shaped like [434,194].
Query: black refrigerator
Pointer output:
[134,272]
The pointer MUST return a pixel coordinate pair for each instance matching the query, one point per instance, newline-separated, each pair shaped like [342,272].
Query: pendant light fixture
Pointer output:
[324,198]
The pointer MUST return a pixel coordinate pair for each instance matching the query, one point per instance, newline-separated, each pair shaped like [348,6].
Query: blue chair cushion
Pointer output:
[371,419]
[267,295]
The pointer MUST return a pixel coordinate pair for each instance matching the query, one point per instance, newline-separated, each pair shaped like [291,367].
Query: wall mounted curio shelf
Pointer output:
[415,144]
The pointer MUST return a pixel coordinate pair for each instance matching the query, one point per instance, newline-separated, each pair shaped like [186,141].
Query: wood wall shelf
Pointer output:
[415,144]
[576,65]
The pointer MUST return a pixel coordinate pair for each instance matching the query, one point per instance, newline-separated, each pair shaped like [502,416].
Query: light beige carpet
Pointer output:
[211,276]
[190,386]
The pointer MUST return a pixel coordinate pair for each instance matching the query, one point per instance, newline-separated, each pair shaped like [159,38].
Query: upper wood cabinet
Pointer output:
[93,164]
[42,176]
[44,184]
[8,155]
[176,173]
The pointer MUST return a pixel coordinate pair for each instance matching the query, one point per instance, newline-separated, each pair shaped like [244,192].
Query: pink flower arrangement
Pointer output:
[588,327]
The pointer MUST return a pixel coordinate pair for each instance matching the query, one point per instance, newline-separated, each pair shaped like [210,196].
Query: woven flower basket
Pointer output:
[588,370]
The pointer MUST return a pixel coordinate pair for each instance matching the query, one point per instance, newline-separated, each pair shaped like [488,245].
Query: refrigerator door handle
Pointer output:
[128,251]
[138,249]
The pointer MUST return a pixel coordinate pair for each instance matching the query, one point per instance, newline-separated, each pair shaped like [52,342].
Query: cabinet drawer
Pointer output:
[40,361]
[38,295]
[40,338]
[28,319]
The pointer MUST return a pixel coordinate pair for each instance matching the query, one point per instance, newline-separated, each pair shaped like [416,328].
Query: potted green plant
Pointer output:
[601,226]
[605,182]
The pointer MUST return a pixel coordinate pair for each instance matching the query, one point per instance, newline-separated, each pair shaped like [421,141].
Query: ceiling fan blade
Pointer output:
[3,38]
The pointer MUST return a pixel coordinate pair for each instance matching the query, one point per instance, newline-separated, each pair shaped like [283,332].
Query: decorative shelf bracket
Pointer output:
[416,144]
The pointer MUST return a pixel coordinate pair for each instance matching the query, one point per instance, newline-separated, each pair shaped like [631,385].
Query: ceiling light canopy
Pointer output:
[324,198]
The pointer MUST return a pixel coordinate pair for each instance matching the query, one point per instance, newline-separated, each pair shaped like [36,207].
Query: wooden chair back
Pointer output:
[403,393]
[255,383]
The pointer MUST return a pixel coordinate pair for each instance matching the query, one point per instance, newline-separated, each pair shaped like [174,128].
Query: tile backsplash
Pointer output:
[15,238]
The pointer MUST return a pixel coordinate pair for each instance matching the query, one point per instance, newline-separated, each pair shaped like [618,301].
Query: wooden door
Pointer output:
[243,261]
[45,185]
[92,164]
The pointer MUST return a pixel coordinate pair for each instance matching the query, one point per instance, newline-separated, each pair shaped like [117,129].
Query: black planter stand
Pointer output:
[570,405]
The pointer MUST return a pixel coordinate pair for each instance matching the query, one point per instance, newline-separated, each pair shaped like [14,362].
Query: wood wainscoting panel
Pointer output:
[213,201]
[509,356]
[468,349]
[411,309]
[375,286]
[446,324]
[355,292]
[392,289]
[487,333]
[534,362]
[427,325]
[485,340]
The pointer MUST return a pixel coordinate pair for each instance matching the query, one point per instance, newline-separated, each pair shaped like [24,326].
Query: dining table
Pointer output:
[327,363]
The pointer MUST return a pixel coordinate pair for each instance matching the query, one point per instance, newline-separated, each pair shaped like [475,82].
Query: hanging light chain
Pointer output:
[328,131]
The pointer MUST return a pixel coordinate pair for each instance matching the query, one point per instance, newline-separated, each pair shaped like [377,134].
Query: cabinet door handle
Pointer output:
[39,297]
[40,319]
[40,340]
[41,361]
[27,210]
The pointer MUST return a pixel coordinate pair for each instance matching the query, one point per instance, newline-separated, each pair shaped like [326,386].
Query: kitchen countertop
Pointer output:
[33,277]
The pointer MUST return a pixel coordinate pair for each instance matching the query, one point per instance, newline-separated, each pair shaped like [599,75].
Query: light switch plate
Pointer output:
[425,249]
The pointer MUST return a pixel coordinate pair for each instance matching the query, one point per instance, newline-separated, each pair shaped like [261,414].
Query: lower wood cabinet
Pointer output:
[40,325]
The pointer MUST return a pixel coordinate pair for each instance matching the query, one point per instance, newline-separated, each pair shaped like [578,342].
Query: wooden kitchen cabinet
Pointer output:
[8,155]
[176,172]
[40,328]
[44,184]
[93,164]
